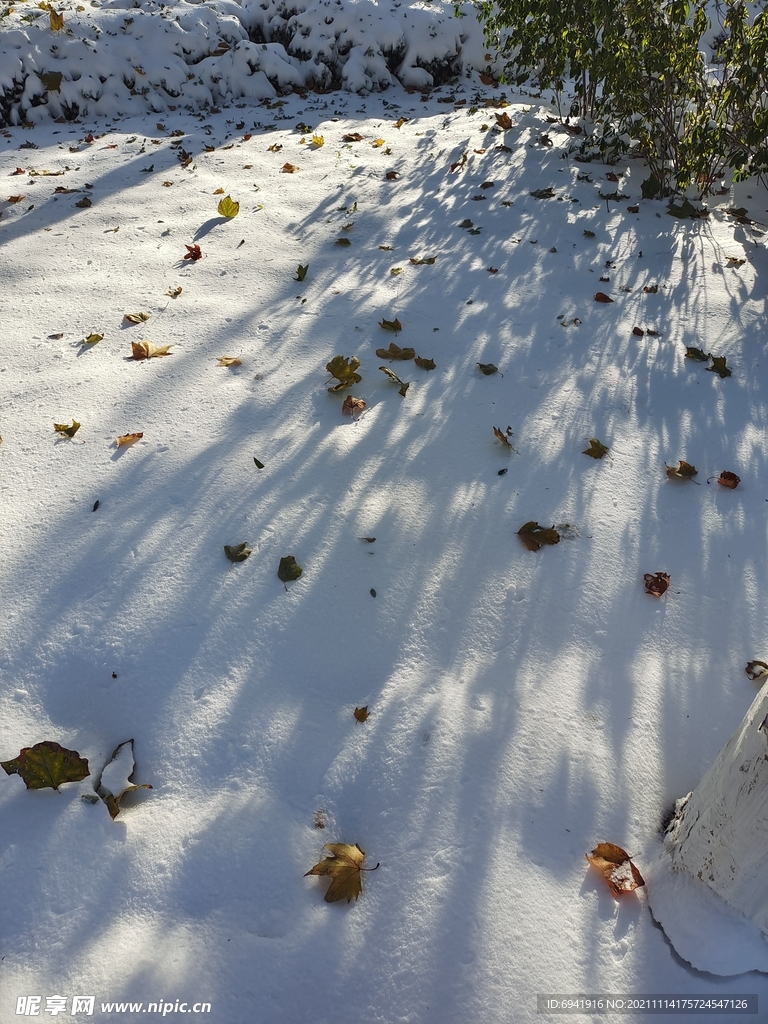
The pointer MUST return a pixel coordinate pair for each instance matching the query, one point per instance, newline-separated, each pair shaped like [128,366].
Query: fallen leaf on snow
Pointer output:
[343,867]
[718,366]
[534,536]
[116,778]
[391,325]
[404,385]
[488,369]
[301,272]
[596,449]
[237,552]
[92,339]
[616,867]
[685,471]
[499,433]
[427,261]
[425,364]
[656,584]
[757,669]
[68,431]
[147,350]
[194,252]
[229,361]
[290,168]
[137,318]
[289,569]
[395,352]
[361,714]
[47,765]
[174,292]
[343,369]
[602,297]
[228,207]
[352,405]
[697,354]
[729,480]
[127,439]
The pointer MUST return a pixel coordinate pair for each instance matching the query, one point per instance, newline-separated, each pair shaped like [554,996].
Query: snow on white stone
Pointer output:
[701,926]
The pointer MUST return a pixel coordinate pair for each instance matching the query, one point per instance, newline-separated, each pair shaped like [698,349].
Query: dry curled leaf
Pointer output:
[136,318]
[638,332]
[352,406]
[534,536]
[391,325]
[342,241]
[425,364]
[47,765]
[656,584]
[237,552]
[729,480]
[503,120]
[596,449]
[499,433]
[289,168]
[174,292]
[685,471]
[194,252]
[116,779]
[92,339]
[127,439]
[361,714]
[318,140]
[353,137]
[757,669]
[229,361]
[147,350]
[69,431]
[392,175]
[404,385]
[488,369]
[395,352]
[428,261]
[616,867]
[650,289]
[343,369]
[343,867]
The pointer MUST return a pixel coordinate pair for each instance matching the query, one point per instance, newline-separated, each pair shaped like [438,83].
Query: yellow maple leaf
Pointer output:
[343,867]
[318,140]
[56,19]
[377,142]
[228,207]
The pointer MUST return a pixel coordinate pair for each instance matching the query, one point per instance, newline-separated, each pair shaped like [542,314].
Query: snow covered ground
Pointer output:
[524,706]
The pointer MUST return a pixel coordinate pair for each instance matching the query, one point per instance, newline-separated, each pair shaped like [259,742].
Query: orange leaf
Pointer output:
[728,479]
[602,297]
[616,867]
[290,168]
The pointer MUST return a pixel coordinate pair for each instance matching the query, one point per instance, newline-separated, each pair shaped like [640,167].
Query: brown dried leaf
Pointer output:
[729,480]
[425,364]
[685,471]
[229,361]
[656,584]
[757,669]
[147,350]
[361,714]
[68,431]
[290,168]
[352,405]
[395,352]
[499,433]
[534,536]
[616,867]
[503,120]
[602,297]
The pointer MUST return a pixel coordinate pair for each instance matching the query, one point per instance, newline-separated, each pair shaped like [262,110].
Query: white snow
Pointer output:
[523,706]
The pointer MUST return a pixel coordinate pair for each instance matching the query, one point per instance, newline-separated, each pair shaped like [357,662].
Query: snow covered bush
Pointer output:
[128,56]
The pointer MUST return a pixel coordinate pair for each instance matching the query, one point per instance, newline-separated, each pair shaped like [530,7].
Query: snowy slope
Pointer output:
[523,706]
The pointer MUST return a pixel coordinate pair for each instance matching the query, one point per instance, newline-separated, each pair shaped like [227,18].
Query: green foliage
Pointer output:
[641,82]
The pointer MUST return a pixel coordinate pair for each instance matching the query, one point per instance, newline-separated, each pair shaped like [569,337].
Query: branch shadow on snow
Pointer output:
[471,641]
